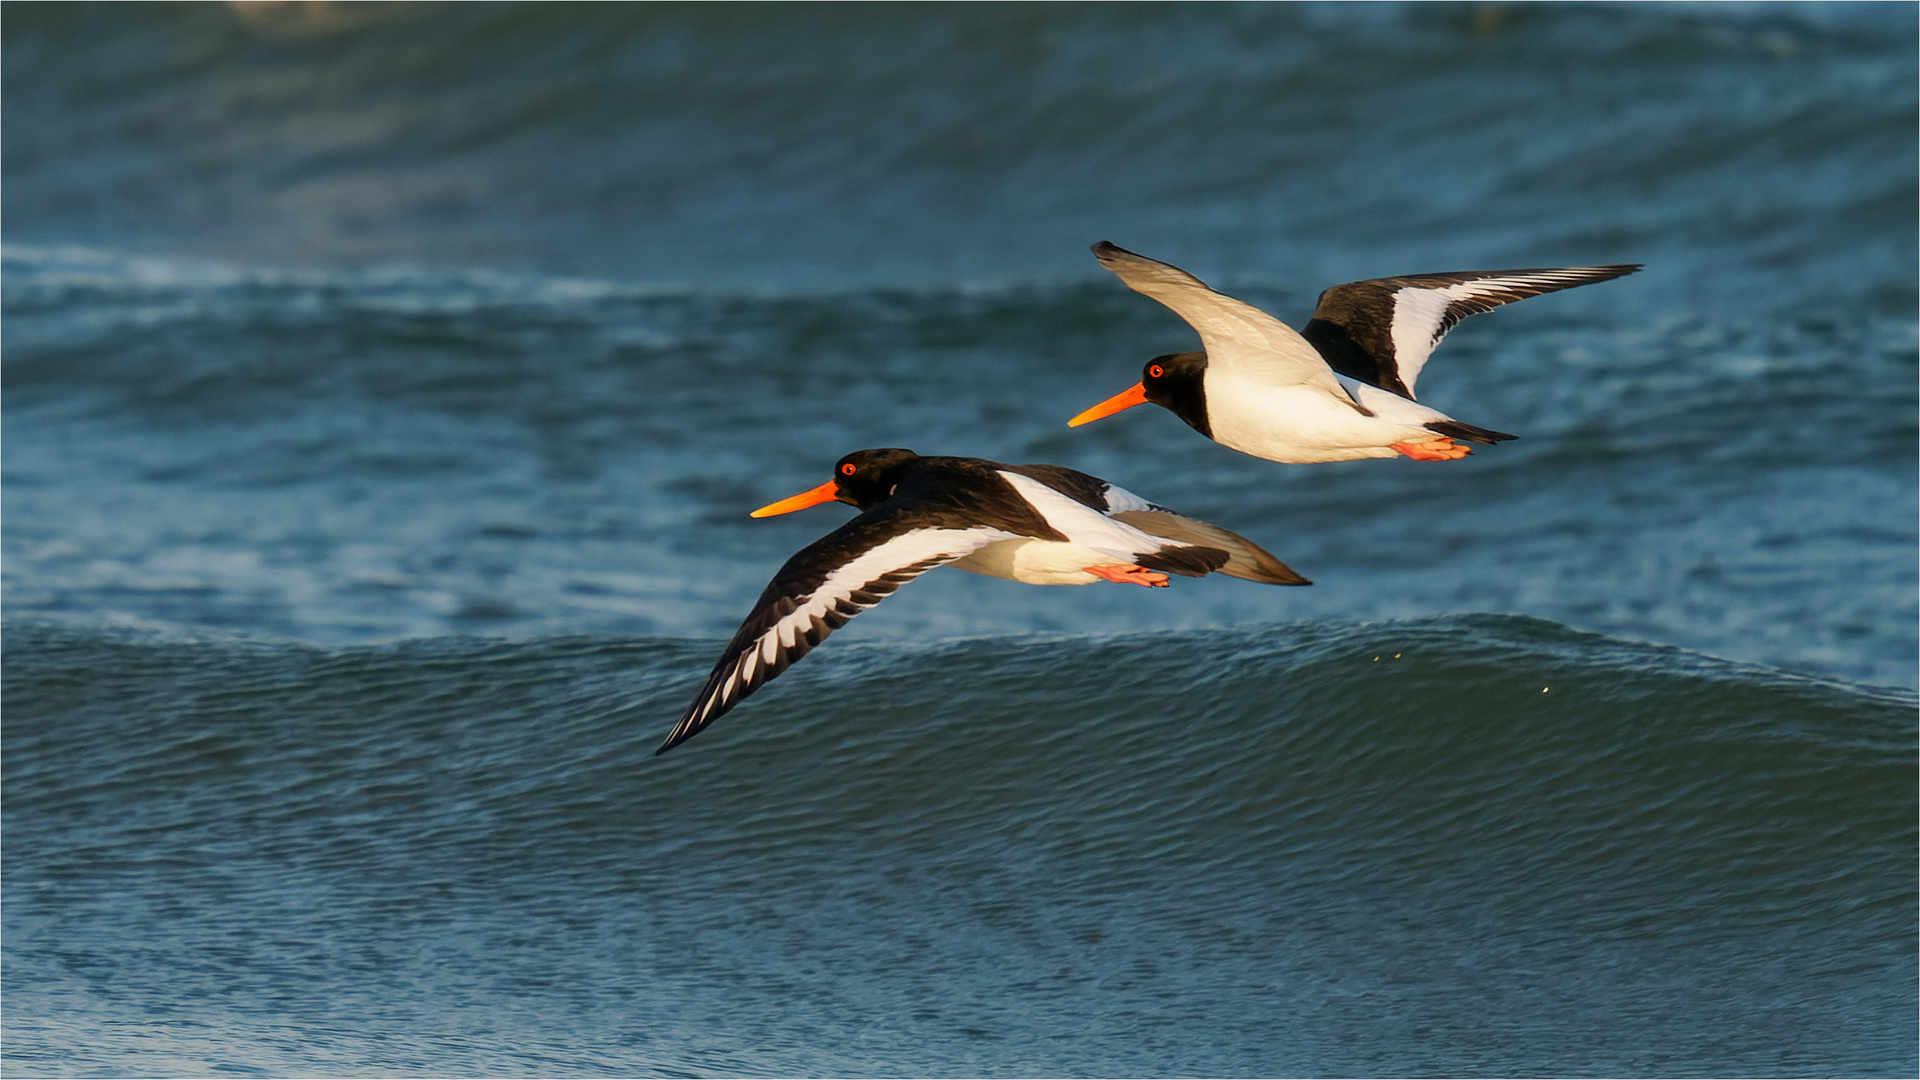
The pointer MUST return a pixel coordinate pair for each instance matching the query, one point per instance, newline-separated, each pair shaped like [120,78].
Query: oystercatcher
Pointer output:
[1341,388]
[1040,524]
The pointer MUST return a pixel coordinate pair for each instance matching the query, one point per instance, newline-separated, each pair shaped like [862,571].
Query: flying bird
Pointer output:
[1342,387]
[1039,524]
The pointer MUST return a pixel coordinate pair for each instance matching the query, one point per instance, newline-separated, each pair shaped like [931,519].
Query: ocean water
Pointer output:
[386,387]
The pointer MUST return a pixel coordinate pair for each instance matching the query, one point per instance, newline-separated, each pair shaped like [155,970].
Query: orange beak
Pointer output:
[1125,399]
[824,493]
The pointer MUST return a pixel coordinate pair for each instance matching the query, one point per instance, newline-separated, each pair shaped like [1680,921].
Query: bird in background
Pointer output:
[1342,387]
[1038,524]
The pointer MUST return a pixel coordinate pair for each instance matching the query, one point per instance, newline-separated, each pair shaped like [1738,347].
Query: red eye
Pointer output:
[1154,371]
[847,469]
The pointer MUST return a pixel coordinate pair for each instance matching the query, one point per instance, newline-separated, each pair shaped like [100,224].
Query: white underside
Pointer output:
[1093,539]
[1037,562]
[1303,424]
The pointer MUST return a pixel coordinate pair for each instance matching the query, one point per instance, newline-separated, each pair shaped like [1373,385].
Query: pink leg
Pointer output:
[1129,574]
[1437,450]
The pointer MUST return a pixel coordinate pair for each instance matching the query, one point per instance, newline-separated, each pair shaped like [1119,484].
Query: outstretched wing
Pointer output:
[1240,339]
[828,582]
[1381,331]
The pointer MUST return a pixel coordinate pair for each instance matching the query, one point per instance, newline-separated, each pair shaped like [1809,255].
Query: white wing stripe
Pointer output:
[1420,312]
[836,595]
[1417,313]
[840,585]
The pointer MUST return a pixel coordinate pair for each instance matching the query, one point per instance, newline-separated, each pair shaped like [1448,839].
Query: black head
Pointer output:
[865,477]
[1175,382]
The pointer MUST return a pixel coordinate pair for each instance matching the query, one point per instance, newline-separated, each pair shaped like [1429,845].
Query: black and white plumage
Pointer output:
[1342,387]
[1382,331]
[1039,524]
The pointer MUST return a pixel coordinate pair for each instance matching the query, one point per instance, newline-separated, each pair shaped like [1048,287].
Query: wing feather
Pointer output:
[1240,339]
[1381,331]
[827,583]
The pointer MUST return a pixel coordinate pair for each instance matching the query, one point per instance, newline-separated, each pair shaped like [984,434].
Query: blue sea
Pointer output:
[386,387]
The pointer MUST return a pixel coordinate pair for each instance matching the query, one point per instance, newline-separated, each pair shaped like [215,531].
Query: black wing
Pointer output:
[1381,331]
[828,582]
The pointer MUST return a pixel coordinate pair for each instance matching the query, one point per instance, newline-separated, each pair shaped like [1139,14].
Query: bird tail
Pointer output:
[1454,429]
[1245,559]
[1183,560]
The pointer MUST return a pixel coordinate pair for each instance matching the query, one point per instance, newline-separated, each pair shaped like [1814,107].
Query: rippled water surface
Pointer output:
[386,387]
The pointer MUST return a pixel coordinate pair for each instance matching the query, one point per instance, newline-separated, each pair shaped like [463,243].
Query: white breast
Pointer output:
[1303,424]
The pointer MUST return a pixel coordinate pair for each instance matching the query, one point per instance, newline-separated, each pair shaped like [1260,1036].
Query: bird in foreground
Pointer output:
[1342,387]
[1039,524]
